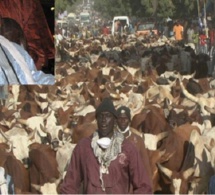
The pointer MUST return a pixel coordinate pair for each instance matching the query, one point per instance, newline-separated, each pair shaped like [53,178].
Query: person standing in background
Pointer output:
[190,32]
[195,38]
[30,16]
[136,137]
[203,42]
[178,31]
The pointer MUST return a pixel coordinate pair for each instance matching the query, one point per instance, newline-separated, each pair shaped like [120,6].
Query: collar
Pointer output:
[105,157]
[125,131]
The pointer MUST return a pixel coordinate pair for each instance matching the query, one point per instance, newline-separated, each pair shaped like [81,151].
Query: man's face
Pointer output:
[123,121]
[105,122]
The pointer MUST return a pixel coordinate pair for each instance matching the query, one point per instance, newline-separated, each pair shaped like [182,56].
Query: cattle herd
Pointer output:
[166,86]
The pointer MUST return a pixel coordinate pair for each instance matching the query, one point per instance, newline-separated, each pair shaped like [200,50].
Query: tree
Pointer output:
[68,5]
[156,8]
[121,7]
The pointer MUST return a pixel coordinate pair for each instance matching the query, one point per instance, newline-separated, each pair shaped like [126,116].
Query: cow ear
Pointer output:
[165,170]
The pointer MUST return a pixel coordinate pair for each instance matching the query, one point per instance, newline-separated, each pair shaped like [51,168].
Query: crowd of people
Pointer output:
[187,31]
[203,37]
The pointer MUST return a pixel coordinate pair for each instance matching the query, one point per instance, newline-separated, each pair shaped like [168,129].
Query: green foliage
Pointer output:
[111,8]
[139,8]
[147,8]
[69,5]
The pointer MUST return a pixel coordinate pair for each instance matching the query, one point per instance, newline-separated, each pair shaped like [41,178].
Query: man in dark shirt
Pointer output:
[105,162]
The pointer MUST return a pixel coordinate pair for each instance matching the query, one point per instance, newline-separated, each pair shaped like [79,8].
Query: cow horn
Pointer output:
[63,95]
[7,138]
[38,102]
[79,109]
[46,115]
[172,83]
[192,75]
[90,92]
[36,187]
[113,95]
[22,121]
[188,173]
[57,181]
[77,91]
[10,147]
[162,152]
[65,102]
[165,170]
[138,107]
[162,135]
[154,83]
[43,128]
[49,99]
[31,135]
[189,95]
[211,145]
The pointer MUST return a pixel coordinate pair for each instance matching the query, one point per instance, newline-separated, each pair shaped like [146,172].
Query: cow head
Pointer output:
[151,140]
[55,136]
[179,180]
[47,188]
[19,140]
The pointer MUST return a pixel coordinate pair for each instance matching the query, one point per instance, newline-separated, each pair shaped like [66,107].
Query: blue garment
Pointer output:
[211,189]
[10,184]
[39,77]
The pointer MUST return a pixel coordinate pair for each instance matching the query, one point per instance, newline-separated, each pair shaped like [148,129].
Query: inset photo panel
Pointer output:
[27,52]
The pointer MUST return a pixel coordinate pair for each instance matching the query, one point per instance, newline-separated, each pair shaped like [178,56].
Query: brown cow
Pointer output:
[177,144]
[43,164]
[15,169]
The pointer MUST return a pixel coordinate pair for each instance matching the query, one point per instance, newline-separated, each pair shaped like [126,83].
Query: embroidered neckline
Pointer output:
[106,156]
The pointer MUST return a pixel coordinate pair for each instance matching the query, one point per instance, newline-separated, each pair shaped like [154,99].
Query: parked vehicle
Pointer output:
[146,29]
[84,18]
[71,17]
[124,20]
[61,24]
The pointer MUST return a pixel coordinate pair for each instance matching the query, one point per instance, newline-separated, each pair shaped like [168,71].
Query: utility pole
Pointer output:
[205,19]
[198,8]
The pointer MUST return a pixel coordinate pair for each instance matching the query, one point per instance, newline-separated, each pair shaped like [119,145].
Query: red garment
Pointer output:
[105,31]
[126,169]
[203,39]
[212,36]
[30,16]
[139,143]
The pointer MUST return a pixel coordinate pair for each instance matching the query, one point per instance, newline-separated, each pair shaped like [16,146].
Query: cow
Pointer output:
[48,188]
[202,101]
[43,165]
[180,179]
[177,144]
[19,141]
[16,170]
